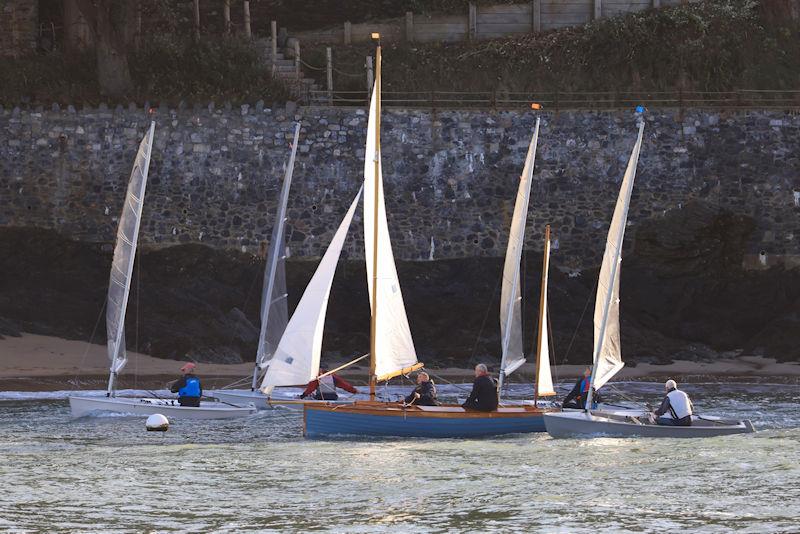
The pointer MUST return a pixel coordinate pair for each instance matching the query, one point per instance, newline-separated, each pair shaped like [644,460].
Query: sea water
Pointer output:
[107,474]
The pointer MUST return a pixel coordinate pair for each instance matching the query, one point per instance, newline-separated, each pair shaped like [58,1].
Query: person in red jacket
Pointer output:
[325,388]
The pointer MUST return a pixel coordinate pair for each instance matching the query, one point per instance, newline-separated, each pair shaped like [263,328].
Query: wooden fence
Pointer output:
[483,22]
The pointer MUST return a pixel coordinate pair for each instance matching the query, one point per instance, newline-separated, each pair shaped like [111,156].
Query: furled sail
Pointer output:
[394,347]
[544,378]
[607,351]
[119,284]
[296,360]
[274,306]
[510,296]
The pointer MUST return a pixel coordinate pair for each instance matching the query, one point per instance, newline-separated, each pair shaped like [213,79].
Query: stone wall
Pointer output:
[18,27]
[450,177]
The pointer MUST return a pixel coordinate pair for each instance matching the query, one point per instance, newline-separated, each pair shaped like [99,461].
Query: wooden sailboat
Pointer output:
[607,360]
[392,350]
[118,292]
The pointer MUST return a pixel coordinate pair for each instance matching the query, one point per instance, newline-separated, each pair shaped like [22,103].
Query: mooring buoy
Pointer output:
[157,423]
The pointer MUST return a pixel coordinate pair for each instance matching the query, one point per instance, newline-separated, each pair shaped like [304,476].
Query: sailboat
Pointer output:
[392,350]
[607,360]
[117,303]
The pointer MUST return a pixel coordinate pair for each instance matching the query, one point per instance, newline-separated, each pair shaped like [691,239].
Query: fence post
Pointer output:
[370,76]
[348,32]
[196,10]
[297,58]
[226,15]
[656,3]
[536,16]
[329,58]
[247,31]
[409,26]
[598,9]
[473,22]
[273,31]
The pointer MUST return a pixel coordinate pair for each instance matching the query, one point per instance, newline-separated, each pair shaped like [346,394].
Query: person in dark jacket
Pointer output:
[580,392]
[484,391]
[188,387]
[425,392]
[325,388]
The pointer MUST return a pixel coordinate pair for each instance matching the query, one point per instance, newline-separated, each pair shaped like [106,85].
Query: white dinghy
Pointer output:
[608,354]
[118,290]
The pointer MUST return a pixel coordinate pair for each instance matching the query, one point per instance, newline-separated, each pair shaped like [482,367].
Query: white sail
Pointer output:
[124,254]
[274,305]
[394,347]
[544,378]
[607,351]
[510,296]
[296,360]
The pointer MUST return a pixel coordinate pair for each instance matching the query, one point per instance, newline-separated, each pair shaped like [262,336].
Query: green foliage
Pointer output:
[50,78]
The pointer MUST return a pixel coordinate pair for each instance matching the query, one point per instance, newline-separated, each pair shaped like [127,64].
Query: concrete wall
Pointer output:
[451,177]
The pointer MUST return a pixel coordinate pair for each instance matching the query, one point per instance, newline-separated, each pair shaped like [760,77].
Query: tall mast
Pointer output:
[542,312]
[377,160]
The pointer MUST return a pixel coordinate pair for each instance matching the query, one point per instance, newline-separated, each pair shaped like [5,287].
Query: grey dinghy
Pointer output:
[83,406]
[585,424]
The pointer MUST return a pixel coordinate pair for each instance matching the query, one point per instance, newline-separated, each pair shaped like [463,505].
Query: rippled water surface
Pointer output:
[258,474]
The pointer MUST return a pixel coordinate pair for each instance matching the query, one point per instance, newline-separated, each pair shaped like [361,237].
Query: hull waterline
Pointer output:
[583,424]
[83,406]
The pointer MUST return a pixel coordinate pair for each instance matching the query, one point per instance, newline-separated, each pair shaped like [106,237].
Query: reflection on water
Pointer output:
[108,474]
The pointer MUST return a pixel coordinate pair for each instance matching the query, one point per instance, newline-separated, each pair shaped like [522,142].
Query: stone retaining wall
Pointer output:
[450,177]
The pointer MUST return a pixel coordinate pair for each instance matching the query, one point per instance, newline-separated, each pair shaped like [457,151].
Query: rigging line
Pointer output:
[136,331]
[443,379]
[486,317]
[553,368]
[89,343]
[580,321]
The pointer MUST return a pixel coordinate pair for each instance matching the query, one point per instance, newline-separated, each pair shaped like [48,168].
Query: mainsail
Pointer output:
[510,297]
[544,379]
[119,284]
[394,347]
[296,360]
[274,306]
[607,351]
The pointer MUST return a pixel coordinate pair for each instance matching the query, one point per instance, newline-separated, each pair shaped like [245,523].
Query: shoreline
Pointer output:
[41,363]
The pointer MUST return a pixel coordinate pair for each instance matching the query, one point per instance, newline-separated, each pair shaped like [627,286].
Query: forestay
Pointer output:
[296,360]
[274,306]
[510,296]
[394,347]
[124,255]
[607,351]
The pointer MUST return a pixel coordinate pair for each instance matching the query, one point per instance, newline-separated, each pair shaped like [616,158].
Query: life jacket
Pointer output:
[327,384]
[584,388]
[679,404]
[191,388]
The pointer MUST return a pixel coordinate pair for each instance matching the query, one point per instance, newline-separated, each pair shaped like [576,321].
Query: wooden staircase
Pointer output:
[285,70]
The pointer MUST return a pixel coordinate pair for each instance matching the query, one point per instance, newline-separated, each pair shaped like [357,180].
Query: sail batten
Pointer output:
[607,351]
[394,346]
[296,359]
[124,256]
[511,297]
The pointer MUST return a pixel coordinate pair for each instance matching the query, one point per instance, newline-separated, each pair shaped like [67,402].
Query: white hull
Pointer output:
[82,406]
[262,402]
[583,424]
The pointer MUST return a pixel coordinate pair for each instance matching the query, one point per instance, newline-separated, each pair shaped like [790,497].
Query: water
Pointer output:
[106,474]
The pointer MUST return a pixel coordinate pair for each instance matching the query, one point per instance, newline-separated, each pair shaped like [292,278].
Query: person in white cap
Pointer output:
[188,387]
[676,408]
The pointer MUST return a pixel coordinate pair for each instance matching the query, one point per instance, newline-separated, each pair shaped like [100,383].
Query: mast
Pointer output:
[542,312]
[377,160]
[276,254]
[617,259]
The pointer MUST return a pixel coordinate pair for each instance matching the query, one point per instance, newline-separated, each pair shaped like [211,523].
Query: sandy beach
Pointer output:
[41,363]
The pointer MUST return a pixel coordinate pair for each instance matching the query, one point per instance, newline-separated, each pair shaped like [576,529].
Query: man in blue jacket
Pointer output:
[188,387]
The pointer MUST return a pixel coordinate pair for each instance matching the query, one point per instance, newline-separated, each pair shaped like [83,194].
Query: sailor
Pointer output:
[325,388]
[188,387]
[580,392]
[484,391]
[676,408]
[425,392]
